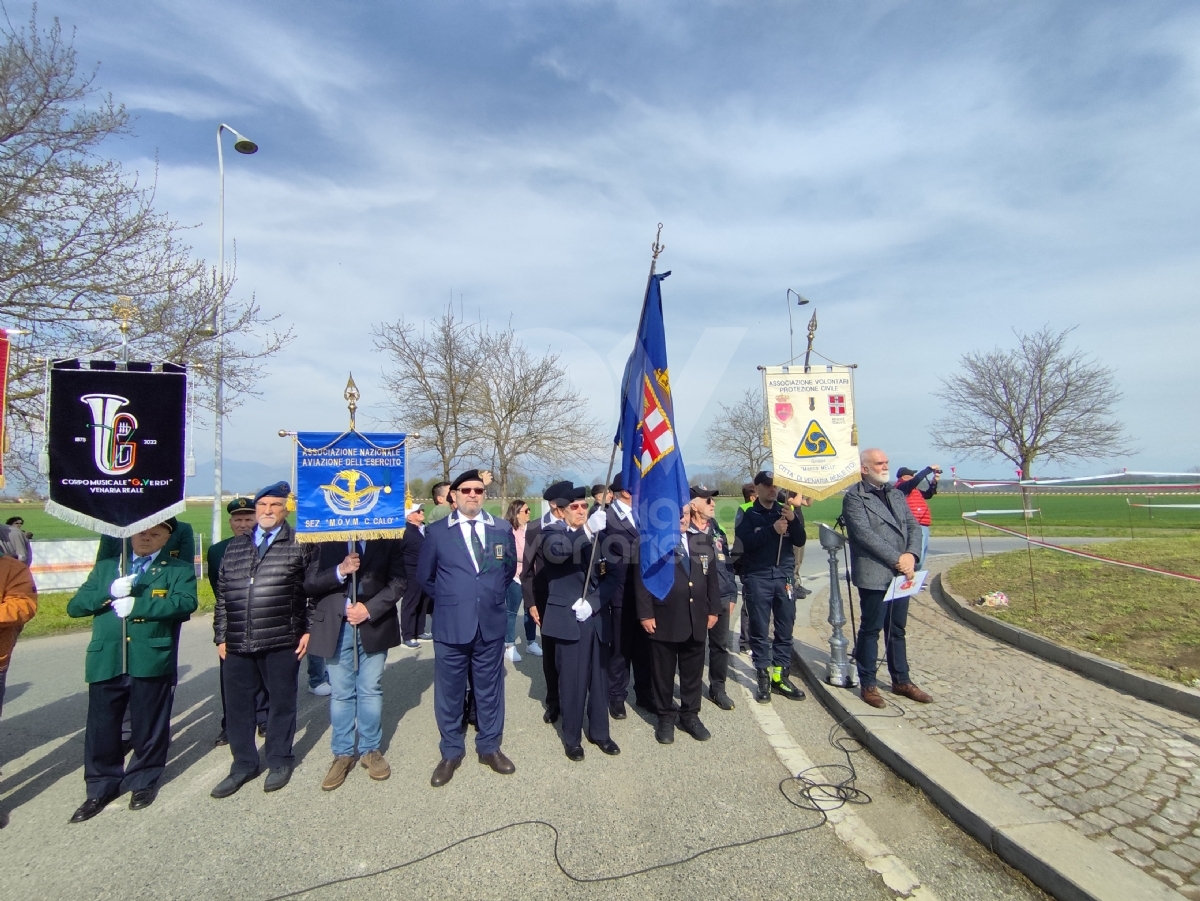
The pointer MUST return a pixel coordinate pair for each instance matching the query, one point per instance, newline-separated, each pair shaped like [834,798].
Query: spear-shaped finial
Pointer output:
[351,395]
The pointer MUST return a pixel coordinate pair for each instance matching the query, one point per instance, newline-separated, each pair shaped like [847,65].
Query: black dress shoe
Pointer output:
[90,808]
[498,762]
[616,709]
[644,704]
[575,753]
[608,746]
[222,739]
[142,798]
[664,733]
[444,772]
[718,697]
[552,714]
[696,729]
[277,778]
[231,783]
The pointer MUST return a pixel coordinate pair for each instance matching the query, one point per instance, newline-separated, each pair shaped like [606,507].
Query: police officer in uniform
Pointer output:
[138,674]
[241,522]
[578,621]
[678,628]
[766,532]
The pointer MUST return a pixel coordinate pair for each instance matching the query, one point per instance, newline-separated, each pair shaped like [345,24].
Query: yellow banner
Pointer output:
[814,442]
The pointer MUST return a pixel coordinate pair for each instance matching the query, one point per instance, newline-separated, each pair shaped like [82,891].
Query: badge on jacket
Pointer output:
[603,568]
[499,551]
[704,563]
[158,592]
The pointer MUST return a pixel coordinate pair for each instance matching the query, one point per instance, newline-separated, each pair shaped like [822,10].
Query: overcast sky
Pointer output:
[932,175]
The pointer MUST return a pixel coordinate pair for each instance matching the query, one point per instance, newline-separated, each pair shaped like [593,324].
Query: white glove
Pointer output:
[582,610]
[121,587]
[597,521]
[122,606]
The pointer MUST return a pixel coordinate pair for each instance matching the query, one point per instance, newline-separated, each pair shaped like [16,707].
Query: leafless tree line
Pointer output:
[77,230]
[478,395]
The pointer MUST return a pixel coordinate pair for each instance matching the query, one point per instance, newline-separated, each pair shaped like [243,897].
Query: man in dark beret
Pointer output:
[466,563]
[535,589]
[136,612]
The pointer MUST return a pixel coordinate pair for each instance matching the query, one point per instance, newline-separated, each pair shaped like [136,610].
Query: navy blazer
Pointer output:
[619,543]
[466,602]
[567,555]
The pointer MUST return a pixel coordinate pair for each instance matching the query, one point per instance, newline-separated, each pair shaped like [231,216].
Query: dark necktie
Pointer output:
[263,545]
[477,547]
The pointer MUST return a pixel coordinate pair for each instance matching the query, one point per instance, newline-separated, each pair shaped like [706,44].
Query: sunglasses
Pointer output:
[577,506]
[471,490]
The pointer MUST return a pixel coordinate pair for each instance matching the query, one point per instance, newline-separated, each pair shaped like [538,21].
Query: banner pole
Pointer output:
[123,569]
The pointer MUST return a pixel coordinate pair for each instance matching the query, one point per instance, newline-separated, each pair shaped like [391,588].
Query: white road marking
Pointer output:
[847,825]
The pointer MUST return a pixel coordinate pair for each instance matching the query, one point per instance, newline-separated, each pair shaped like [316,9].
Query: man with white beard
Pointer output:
[885,539]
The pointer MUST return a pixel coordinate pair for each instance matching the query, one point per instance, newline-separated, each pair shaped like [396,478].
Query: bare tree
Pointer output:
[527,410]
[1039,401]
[432,376]
[737,436]
[76,230]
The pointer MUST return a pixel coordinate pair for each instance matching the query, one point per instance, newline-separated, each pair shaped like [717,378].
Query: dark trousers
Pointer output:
[260,702]
[413,609]
[766,595]
[550,671]
[149,702]
[718,649]
[583,685]
[630,648]
[245,676]
[891,617]
[481,663]
[688,658]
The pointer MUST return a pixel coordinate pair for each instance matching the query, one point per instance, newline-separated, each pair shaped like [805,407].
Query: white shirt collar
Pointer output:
[457,519]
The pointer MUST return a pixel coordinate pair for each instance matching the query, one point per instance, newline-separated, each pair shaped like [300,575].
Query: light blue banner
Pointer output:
[349,486]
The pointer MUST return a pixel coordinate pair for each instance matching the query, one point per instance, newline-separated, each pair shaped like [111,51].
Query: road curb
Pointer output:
[1053,855]
[1115,675]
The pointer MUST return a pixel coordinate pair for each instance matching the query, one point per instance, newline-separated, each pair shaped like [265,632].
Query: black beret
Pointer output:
[471,475]
[279,489]
[618,482]
[562,493]
[240,503]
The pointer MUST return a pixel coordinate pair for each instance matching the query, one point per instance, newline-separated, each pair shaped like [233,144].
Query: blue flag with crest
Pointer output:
[651,462]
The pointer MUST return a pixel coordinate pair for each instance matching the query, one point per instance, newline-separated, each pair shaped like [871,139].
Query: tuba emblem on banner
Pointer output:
[814,454]
[115,454]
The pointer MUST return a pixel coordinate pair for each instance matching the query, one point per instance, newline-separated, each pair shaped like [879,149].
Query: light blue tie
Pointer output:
[139,566]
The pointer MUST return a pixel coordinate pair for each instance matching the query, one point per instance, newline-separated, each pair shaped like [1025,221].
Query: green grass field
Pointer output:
[1085,515]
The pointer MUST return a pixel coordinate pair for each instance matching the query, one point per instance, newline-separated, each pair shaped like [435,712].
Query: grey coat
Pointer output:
[878,536]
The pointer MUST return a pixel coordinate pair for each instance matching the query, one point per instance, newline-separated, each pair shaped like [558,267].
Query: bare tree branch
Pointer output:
[736,436]
[1039,401]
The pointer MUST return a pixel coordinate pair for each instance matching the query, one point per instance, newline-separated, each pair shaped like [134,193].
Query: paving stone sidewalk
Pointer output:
[1123,771]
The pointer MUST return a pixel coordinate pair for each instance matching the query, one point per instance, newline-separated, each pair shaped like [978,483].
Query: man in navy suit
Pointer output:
[466,563]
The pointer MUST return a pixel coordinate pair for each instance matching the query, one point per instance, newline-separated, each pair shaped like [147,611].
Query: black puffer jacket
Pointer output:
[261,604]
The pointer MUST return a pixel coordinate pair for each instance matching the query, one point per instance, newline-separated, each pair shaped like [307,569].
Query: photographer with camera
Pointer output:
[766,535]
[908,483]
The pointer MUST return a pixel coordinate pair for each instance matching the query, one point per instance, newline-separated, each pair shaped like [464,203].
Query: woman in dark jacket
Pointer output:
[261,630]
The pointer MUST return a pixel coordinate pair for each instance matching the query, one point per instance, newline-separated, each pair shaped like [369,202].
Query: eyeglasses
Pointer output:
[577,506]
[472,490]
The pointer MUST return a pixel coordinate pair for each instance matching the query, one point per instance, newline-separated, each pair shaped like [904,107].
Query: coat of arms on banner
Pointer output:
[350,486]
[817,454]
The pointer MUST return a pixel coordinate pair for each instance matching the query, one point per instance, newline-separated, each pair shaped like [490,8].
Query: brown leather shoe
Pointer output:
[871,695]
[498,762]
[444,772]
[911,691]
[338,771]
[377,768]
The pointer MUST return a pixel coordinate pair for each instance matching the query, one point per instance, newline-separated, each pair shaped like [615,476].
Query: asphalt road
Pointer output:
[652,804]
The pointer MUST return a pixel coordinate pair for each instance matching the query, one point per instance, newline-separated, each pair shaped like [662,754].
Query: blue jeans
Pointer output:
[317,673]
[357,698]
[513,599]
[890,618]
[924,546]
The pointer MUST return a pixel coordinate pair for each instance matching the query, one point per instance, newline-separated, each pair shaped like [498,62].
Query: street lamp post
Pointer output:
[800,301]
[241,145]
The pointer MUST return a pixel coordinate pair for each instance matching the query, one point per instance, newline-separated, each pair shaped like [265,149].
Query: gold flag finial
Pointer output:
[658,247]
[351,395]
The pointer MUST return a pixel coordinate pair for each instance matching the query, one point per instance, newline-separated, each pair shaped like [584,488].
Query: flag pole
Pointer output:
[656,248]
[351,395]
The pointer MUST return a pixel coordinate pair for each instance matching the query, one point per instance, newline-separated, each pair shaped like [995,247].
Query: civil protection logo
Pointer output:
[815,444]
[115,454]
[352,493]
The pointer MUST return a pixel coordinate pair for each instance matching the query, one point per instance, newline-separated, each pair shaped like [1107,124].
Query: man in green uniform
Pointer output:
[241,522]
[131,664]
